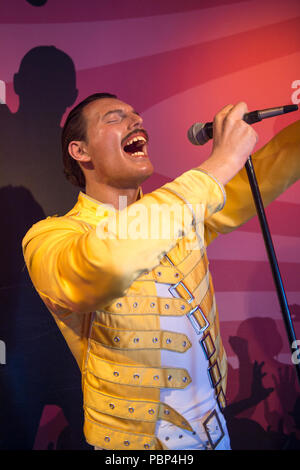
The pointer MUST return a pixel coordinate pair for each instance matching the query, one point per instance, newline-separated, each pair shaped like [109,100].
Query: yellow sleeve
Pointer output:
[75,267]
[276,165]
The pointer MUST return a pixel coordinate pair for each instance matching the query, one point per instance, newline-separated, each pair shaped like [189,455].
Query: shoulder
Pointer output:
[55,226]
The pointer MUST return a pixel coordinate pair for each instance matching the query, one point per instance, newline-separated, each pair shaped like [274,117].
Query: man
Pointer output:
[139,313]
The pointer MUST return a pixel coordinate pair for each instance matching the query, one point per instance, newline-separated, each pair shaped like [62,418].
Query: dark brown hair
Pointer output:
[75,129]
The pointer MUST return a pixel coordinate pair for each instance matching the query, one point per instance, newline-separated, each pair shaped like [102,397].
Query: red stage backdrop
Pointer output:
[177,63]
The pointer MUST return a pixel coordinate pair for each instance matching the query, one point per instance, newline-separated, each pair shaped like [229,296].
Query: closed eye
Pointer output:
[114,116]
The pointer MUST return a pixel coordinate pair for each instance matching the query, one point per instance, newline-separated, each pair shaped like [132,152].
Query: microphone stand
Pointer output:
[273,262]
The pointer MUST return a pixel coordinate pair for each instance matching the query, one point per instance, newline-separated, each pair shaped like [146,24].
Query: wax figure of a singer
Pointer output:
[139,314]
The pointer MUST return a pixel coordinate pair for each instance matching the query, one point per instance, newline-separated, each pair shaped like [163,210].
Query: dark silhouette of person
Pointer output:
[30,138]
[266,344]
[293,441]
[247,434]
[39,368]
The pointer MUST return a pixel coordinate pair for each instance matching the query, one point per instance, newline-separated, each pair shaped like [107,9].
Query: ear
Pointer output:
[77,150]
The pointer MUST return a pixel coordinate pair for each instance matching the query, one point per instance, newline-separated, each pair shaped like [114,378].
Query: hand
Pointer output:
[285,386]
[258,391]
[233,137]
[234,141]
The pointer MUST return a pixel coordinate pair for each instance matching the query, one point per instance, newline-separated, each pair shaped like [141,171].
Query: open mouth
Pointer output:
[135,144]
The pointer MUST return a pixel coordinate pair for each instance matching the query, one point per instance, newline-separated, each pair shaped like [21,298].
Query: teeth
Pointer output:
[136,154]
[136,139]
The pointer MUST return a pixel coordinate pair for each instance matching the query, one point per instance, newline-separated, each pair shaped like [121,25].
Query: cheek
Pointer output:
[106,142]
[106,156]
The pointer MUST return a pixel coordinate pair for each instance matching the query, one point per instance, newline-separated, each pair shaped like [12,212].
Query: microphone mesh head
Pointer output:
[195,136]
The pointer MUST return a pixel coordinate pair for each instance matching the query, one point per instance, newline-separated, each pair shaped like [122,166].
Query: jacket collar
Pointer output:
[88,203]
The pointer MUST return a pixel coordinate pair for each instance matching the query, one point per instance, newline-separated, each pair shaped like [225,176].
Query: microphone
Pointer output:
[200,133]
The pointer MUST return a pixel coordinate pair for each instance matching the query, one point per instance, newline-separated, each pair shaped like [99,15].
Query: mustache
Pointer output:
[136,131]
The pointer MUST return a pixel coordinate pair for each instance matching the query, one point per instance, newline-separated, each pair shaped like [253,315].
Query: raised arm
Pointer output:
[277,166]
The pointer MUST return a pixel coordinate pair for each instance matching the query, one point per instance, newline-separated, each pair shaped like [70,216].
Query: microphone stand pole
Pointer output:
[273,262]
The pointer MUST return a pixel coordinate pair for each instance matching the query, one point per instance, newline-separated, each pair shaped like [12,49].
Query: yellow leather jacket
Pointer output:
[101,292]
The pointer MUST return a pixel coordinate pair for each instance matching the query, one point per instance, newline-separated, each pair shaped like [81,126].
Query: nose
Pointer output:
[135,121]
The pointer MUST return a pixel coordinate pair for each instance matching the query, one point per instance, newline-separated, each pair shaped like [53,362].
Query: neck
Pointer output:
[111,195]
[34,114]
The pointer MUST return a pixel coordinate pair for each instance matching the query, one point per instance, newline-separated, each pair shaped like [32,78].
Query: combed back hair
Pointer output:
[75,129]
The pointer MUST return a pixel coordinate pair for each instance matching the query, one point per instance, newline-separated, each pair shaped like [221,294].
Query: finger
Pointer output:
[238,111]
[220,116]
[225,110]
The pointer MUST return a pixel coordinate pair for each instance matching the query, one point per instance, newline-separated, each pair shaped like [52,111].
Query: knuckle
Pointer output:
[223,112]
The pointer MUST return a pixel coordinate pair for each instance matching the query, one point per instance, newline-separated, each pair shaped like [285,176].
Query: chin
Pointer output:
[144,176]
[140,173]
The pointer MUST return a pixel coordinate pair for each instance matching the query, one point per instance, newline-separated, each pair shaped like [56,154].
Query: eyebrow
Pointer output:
[119,111]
